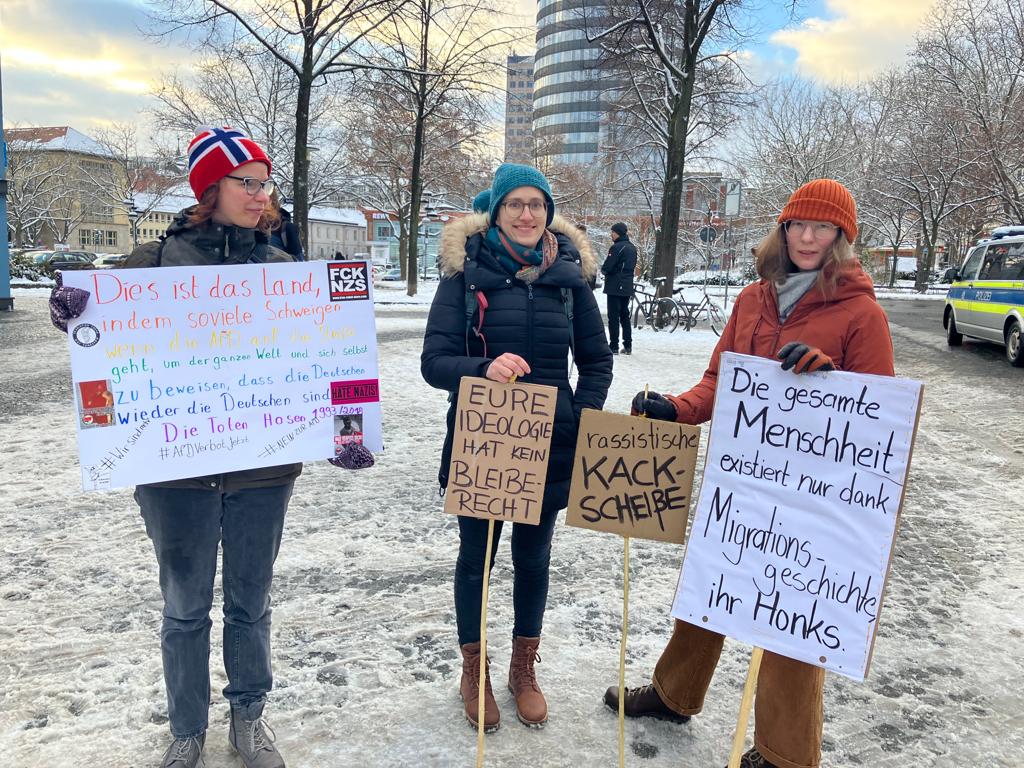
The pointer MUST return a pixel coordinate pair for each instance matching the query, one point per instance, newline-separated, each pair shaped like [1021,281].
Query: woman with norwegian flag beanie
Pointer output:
[243,511]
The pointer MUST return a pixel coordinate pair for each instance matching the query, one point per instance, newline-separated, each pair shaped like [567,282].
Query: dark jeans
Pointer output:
[186,526]
[618,313]
[531,557]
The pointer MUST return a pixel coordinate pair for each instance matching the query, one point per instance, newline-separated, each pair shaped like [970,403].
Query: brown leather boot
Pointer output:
[531,708]
[469,689]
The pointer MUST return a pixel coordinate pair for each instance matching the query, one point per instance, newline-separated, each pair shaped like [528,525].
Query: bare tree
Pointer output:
[114,184]
[383,136]
[690,47]
[250,89]
[31,191]
[312,39]
[436,56]
[797,133]
[973,53]
[932,165]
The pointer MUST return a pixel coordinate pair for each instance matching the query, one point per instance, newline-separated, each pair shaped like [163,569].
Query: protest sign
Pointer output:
[633,476]
[500,452]
[793,529]
[192,371]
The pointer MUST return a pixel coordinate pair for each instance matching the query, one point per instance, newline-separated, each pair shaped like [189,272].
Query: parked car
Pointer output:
[389,275]
[431,273]
[109,260]
[986,298]
[64,259]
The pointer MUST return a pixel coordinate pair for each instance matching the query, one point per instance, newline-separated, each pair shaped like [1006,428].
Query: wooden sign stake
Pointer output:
[740,736]
[622,644]
[622,653]
[483,649]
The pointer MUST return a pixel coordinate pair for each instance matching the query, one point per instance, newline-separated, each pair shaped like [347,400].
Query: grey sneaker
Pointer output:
[185,753]
[253,740]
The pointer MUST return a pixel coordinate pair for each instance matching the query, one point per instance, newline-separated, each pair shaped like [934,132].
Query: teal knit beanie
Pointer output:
[482,202]
[509,176]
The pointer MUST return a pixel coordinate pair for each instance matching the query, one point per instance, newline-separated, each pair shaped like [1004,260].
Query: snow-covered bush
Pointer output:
[24,267]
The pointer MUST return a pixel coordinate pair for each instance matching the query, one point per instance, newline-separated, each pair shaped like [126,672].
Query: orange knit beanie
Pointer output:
[823,200]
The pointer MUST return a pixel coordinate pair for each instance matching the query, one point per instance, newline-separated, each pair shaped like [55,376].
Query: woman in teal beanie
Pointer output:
[528,269]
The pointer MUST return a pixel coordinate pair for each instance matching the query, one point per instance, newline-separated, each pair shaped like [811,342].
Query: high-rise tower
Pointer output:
[519,110]
[567,102]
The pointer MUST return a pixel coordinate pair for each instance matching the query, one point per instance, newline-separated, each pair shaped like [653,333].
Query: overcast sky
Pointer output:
[87,63]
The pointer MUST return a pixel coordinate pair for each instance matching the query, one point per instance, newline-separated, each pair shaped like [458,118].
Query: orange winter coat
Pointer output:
[849,326]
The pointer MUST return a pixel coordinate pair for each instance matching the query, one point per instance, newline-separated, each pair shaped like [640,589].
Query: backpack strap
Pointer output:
[475,302]
[567,305]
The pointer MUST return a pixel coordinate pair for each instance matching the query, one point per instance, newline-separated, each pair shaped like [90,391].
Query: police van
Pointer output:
[986,298]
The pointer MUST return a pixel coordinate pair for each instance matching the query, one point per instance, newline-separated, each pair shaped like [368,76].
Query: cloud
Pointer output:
[68,62]
[863,38]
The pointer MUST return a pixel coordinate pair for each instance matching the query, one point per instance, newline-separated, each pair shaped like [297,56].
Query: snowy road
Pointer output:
[365,653]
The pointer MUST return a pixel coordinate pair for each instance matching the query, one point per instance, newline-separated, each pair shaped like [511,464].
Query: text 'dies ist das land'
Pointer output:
[191,371]
[500,452]
[798,509]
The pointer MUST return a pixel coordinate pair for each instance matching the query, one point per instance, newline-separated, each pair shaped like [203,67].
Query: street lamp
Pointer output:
[428,214]
[133,218]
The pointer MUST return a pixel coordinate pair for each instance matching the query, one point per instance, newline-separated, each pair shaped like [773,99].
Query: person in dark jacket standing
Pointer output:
[815,310]
[241,511]
[284,235]
[618,271]
[526,263]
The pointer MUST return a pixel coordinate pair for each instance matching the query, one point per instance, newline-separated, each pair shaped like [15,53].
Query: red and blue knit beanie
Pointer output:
[216,152]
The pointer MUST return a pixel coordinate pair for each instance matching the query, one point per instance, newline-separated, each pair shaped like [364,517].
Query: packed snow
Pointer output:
[365,655]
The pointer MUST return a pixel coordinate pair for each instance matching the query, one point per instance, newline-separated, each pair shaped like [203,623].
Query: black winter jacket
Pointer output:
[529,321]
[214,244]
[619,267]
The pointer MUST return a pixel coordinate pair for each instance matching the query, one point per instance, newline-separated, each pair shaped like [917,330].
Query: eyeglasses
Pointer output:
[821,230]
[516,207]
[253,186]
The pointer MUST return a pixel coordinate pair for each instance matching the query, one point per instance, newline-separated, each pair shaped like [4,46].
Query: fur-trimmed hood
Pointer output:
[455,235]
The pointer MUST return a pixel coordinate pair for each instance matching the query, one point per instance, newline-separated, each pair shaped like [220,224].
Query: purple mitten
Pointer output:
[353,456]
[66,304]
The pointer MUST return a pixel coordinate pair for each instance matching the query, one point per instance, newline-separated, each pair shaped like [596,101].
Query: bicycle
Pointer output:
[692,312]
[661,314]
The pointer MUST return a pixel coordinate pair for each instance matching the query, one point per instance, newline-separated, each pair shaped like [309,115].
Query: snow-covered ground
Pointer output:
[366,660]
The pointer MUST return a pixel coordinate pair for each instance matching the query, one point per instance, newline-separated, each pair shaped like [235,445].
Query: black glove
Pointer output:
[654,406]
[803,358]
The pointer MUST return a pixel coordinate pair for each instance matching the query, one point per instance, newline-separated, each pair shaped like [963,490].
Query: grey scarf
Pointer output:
[792,289]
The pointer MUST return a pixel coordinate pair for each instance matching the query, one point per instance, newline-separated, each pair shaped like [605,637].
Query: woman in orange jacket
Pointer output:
[815,310]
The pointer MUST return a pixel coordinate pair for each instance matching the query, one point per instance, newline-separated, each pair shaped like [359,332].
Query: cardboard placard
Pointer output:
[191,371]
[633,476]
[500,451]
[793,530]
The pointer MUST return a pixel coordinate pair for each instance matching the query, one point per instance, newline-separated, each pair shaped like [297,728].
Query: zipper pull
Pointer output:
[529,291]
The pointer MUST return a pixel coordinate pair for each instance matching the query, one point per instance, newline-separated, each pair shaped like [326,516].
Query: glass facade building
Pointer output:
[567,96]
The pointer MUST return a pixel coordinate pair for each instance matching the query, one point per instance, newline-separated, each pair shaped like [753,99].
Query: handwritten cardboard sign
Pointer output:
[501,450]
[633,476]
[793,530]
[192,371]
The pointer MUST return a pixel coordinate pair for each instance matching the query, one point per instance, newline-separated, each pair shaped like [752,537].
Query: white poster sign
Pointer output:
[793,530]
[191,371]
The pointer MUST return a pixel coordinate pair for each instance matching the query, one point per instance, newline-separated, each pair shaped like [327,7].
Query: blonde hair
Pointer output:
[204,210]
[771,259]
